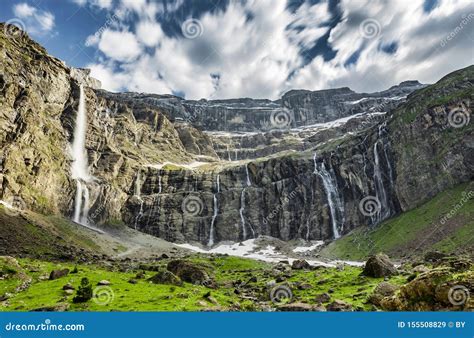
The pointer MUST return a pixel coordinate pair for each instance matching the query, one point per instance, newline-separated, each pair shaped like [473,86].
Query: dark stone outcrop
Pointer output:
[189,272]
[379,266]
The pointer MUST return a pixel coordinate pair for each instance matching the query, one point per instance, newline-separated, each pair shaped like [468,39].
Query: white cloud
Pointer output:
[101,4]
[251,48]
[36,21]
[149,33]
[119,45]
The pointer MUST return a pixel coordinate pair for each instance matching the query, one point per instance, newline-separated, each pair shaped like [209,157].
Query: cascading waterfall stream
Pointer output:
[138,193]
[336,205]
[380,191]
[242,205]
[214,216]
[79,168]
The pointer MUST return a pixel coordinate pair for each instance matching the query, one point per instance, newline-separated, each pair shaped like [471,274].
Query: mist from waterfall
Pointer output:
[79,168]
[216,211]
[336,205]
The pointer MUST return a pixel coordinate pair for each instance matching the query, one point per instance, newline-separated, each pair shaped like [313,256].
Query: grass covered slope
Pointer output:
[126,292]
[445,223]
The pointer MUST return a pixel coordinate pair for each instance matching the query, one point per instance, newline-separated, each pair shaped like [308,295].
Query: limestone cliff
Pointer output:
[170,167]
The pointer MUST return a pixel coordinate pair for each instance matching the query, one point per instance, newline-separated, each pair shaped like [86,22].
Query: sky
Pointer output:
[217,49]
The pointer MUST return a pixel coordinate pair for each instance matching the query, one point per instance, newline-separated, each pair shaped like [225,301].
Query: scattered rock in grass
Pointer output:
[296,307]
[60,307]
[322,298]
[189,272]
[55,274]
[379,266]
[166,277]
[381,291]
[68,286]
[5,296]
[132,281]
[103,282]
[420,269]
[434,256]
[339,305]
[69,292]
[300,264]
[304,286]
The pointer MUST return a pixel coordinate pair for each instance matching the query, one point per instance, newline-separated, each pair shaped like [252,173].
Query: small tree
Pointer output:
[84,292]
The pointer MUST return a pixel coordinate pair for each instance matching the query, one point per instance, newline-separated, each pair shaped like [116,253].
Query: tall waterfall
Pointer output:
[214,216]
[242,205]
[336,205]
[380,189]
[138,193]
[249,183]
[241,212]
[79,168]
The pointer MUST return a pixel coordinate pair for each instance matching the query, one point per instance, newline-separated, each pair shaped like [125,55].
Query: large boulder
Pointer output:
[379,266]
[382,290]
[300,264]
[55,274]
[166,277]
[189,272]
[435,290]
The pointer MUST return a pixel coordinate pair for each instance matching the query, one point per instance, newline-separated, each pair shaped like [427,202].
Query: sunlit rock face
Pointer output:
[209,171]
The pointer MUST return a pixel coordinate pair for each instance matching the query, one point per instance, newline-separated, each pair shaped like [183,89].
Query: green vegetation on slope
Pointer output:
[445,223]
[121,295]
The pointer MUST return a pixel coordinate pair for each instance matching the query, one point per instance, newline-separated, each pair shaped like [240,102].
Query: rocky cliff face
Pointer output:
[169,167]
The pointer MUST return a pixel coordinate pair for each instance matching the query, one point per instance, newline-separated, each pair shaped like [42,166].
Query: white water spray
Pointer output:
[79,168]
[214,216]
[336,205]
[380,190]
[138,192]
